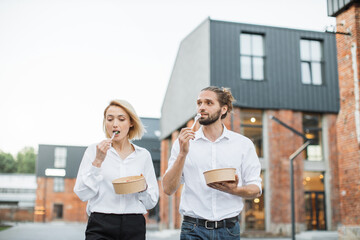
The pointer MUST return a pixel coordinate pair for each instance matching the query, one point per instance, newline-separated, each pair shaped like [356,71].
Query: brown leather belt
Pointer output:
[228,222]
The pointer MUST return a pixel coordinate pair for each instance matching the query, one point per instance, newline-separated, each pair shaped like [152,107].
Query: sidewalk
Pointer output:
[75,231]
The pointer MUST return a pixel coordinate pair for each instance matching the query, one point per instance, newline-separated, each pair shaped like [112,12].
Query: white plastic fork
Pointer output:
[114,135]
[195,120]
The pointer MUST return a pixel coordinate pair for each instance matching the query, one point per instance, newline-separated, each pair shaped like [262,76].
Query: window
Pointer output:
[251,127]
[60,157]
[312,130]
[311,62]
[255,211]
[59,184]
[252,57]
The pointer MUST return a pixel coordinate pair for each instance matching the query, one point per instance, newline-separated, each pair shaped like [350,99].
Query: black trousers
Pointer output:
[103,226]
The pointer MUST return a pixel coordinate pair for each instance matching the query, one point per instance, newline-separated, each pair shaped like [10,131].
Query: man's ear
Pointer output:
[224,109]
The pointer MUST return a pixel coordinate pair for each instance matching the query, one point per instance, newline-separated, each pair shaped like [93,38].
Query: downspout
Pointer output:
[356,90]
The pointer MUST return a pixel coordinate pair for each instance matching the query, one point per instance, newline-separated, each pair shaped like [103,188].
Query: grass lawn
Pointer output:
[4,227]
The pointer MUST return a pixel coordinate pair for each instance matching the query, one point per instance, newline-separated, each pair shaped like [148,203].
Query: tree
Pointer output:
[25,160]
[7,163]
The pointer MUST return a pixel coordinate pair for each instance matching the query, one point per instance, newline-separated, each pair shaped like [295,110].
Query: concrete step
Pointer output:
[317,235]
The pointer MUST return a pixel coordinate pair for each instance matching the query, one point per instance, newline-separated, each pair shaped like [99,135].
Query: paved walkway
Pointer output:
[67,231]
[75,231]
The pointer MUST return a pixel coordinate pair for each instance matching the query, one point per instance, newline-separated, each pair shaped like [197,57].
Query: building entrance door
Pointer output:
[315,210]
[58,211]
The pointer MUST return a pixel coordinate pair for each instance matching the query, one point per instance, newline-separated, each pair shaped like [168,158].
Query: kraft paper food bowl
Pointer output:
[131,184]
[220,175]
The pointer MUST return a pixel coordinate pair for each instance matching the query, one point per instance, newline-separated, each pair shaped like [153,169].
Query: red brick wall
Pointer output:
[283,143]
[17,214]
[74,210]
[348,146]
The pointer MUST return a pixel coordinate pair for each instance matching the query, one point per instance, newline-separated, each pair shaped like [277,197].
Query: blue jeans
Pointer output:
[191,231]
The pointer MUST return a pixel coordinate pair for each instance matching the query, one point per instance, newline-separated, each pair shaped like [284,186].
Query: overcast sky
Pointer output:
[61,62]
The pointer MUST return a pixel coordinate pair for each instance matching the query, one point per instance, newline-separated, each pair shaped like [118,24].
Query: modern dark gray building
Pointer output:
[290,74]
[272,68]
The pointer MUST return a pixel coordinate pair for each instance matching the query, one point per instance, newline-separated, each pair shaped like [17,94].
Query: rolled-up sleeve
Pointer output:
[251,167]
[88,177]
[150,196]
[174,154]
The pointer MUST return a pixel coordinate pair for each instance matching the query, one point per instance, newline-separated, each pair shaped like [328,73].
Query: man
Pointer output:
[211,211]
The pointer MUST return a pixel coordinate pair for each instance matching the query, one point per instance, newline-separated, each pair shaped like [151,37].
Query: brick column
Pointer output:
[163,198]
[348,144]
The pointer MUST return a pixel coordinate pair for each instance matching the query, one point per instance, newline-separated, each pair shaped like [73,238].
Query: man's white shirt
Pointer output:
[230,150]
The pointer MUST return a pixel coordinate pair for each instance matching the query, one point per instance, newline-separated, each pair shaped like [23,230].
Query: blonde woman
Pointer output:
[114,216]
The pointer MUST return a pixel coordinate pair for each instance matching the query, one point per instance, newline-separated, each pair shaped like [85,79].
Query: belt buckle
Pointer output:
[206,226]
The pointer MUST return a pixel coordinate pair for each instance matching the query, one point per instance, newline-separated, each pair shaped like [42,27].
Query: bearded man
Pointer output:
[212,211]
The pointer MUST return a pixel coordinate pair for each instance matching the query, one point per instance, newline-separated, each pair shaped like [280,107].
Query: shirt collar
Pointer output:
[200,134]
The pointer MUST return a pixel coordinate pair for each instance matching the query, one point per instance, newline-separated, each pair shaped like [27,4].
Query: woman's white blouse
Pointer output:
[95,184]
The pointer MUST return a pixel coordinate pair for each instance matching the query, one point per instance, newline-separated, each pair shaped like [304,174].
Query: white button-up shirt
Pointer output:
[230,150]
[95,184]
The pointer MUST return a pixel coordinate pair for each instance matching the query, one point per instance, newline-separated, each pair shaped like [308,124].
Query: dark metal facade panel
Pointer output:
[152,127]
[152,145]
[46,156]
[334,7]
[282,87]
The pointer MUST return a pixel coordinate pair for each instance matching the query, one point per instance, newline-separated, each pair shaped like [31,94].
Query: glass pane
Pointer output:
[320,203]
[245,67]
[251,127]
[60,155]
[312,130]
[316,51]
[308,210]
[313,181]
[245,44]
[258,64]
[257,45]
[305,50]
[305,73]
[316,73]
[251,117]
[59,184]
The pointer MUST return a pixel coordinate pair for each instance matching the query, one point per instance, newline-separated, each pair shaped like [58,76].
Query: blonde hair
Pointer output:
[224,97]
[137,130]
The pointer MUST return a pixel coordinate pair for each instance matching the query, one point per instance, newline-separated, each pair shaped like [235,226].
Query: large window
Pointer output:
[60,157]
[313,130]
[255,211]
[252,57]
[251,127]
[311,62]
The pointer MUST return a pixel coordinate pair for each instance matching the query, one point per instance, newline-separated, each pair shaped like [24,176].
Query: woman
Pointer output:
[114,216]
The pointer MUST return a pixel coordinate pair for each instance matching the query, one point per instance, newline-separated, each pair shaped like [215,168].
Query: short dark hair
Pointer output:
[224,97]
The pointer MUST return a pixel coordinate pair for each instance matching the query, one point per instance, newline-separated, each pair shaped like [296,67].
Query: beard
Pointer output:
[211,119]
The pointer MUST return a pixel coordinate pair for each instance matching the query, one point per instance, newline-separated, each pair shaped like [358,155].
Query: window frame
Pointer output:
[253,57]
[60,157]
[310,62]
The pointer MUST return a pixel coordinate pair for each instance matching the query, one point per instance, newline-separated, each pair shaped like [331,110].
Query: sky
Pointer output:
[63,61]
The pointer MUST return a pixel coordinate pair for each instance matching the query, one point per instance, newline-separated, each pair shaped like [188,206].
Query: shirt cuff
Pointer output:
[95,170]
[257,184]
